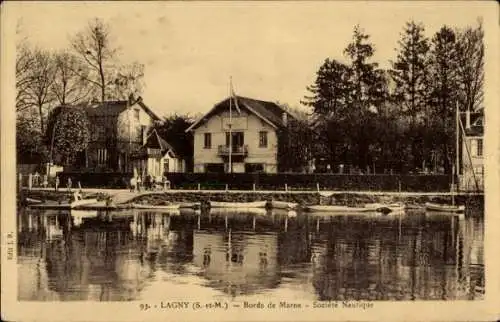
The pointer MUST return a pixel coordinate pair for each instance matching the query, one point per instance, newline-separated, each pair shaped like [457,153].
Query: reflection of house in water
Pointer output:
[237,262]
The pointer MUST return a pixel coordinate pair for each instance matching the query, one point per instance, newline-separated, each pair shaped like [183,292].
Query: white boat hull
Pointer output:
[238,205]
[82,202]
[283,205]
[443,208]
[380,207]
[338,209]
[159,207]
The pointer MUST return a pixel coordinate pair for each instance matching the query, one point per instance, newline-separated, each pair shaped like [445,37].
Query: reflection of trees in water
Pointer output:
[398,259]
[112,257]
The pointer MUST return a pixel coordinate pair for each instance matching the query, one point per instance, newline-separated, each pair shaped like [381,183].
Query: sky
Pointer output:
[272,50]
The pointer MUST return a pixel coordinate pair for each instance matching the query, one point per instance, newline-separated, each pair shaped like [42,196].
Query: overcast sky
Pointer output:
[272,50]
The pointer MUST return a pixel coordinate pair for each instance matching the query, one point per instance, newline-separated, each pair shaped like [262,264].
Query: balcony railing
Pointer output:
[236,150]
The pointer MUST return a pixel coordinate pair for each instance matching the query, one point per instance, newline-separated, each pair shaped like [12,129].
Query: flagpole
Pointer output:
[230,124]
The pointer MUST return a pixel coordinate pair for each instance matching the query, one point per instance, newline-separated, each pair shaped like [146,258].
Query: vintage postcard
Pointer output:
[250,160]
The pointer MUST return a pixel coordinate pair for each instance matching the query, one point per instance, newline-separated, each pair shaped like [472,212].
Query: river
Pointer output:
[136,255]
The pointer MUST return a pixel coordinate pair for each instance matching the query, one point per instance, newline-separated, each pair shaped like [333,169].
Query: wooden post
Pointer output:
[399,185]
[199,187]
[286,187]
[226,187]
[254,187]
[30,181]
[20,182]
[317,187]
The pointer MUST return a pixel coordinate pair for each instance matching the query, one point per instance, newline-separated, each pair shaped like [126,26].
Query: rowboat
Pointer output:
[66,205]
[338,209]
[32,201]
[82,202]
[282,205]
[238,211]
[238,205]
[159,207]
[386,208]
[443,208]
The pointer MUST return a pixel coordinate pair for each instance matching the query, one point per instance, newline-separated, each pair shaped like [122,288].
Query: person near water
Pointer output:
[139,181]
[133,183]
[69,184]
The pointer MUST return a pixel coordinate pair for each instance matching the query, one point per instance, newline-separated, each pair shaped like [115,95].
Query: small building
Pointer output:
[117,129]
[253,144]
[471,176]
[155,157]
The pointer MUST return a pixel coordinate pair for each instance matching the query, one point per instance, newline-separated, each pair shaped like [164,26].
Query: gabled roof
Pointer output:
[269,112]
[114,108]
[156,142]
[476,123]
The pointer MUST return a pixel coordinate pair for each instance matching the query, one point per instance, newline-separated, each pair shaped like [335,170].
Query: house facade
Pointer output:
[118,128]
[472,152]
[156,157]
[238,135]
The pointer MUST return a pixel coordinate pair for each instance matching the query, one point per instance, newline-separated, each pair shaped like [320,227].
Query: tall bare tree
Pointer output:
[93,47]
[104,72]
[35,82]
[70,85]
[470,52]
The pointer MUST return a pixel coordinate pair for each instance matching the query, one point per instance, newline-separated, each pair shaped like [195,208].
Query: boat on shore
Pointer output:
[282,205]
[238,205]
[435,207]
[159,207]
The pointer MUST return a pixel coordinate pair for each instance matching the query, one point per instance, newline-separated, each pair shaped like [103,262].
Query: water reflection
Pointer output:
[120,256]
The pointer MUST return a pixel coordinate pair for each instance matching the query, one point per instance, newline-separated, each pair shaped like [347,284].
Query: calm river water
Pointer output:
[136,255]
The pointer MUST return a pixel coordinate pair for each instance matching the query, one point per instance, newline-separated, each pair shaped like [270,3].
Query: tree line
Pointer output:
[51,85]
[399,119]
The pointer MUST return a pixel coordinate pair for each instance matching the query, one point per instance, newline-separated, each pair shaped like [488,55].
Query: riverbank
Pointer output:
[349,198]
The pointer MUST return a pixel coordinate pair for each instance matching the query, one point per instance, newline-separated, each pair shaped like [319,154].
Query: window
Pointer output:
[208,140]
[102,157]
[263,139]
[136,115]
[476,147]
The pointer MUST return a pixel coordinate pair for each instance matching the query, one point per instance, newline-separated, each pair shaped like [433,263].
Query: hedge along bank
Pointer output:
[280,181]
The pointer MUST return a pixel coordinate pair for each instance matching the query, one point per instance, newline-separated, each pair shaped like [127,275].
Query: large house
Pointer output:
[118,128]
[472,160]
[252,145]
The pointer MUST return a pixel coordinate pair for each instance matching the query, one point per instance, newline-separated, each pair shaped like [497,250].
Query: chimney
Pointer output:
[467,119]
[285,118]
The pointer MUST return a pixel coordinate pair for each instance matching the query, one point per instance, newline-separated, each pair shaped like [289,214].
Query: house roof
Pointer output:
[156,142]
[114,108]
[476,123]
[269,112]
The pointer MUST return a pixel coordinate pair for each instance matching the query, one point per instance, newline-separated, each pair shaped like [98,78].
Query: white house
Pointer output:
[253,125]
[472,158]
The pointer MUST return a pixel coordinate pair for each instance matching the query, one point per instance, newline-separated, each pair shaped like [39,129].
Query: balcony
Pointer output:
[237,150]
